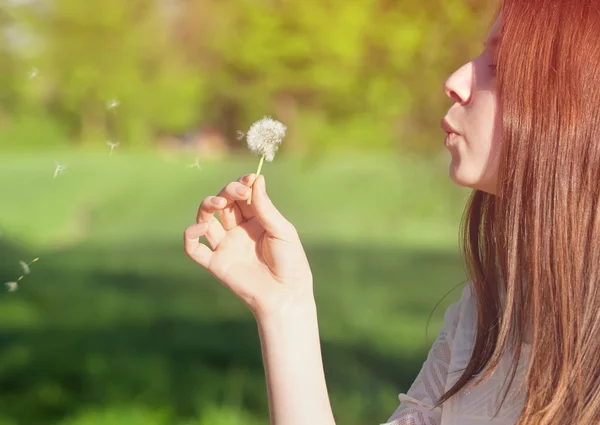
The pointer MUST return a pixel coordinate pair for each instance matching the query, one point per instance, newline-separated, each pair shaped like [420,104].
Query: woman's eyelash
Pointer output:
[493,68]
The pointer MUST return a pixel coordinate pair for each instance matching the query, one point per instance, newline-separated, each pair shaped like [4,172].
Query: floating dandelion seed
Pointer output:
[13,286]
[34,73]
[195,164]
[113,104]
[240,135]
[112,146]
[264,138]
[25,267]
[59,169]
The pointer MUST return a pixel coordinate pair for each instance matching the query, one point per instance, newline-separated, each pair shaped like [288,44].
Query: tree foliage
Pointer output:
[363,74]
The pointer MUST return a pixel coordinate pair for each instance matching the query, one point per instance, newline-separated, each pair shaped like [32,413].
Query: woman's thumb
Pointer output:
[271,219]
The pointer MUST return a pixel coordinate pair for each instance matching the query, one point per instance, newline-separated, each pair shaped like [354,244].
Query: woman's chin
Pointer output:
[462,178]
[455,179]
[459,176]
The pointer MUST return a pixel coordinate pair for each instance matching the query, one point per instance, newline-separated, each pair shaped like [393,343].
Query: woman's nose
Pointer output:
[458,86]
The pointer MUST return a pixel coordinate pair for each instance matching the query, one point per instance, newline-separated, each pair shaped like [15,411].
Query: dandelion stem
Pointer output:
[260,164]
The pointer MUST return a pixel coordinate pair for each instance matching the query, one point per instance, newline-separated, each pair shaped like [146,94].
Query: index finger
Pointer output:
[232,212]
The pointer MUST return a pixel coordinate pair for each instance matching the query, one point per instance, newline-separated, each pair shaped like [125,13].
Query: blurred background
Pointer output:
[118,117]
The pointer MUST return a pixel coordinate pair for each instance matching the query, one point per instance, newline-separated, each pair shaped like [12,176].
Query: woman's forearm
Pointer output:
[294,368]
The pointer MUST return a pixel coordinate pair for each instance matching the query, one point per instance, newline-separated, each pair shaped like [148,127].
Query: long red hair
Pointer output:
[533,249]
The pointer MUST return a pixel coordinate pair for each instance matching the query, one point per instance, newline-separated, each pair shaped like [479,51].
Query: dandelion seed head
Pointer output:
[265,136]
[11,286]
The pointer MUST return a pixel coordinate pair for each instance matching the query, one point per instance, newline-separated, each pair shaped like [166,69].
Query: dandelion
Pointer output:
[59,169]
[112,146]
[264,138]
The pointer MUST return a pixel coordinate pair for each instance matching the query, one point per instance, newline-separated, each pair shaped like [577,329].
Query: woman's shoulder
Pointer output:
[460,316]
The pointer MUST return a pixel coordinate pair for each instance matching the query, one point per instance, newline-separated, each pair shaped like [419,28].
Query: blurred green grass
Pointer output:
[116,325]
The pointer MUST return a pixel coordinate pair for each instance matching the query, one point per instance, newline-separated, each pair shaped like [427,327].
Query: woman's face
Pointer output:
[472,123]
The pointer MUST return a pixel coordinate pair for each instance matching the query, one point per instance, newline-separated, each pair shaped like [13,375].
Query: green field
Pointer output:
[115,325]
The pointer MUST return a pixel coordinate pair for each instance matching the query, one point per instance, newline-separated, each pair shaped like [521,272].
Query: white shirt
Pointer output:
[448,356]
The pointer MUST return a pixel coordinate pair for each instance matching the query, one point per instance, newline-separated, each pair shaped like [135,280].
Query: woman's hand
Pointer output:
[256,252]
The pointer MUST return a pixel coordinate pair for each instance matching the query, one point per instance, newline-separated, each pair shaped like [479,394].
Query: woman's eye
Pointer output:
[493,68]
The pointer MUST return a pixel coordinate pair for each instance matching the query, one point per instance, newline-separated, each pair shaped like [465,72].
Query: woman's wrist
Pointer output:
[302,304]
[288,315]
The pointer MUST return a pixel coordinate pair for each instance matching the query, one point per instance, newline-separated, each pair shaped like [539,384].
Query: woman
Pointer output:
[522,346]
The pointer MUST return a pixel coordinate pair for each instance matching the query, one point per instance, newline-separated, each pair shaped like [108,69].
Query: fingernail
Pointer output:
[216,200]
[242,190]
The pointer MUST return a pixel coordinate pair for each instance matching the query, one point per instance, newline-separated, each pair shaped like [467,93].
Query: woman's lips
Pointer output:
[451,139]
[451,133]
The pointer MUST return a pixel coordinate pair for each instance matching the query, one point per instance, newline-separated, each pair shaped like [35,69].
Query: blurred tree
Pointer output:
[94,52]
[7,65]
[360,74]
[365,74]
